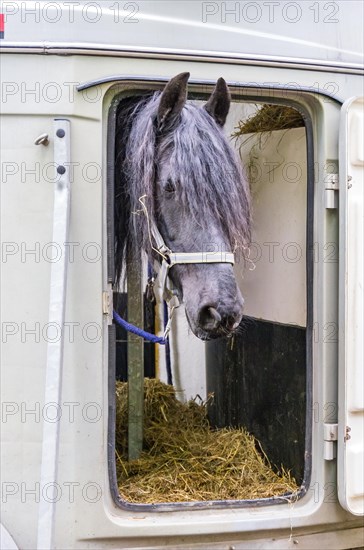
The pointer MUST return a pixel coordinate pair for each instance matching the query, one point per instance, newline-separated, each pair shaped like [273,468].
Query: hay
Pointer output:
[185,460]
[269,118]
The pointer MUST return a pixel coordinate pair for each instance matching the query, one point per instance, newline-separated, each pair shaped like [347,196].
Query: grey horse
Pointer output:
[175,154]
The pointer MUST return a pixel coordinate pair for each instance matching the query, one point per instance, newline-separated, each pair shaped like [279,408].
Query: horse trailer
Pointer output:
[245,118]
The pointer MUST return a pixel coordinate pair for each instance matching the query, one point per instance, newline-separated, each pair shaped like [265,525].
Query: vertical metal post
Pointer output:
[57,305]
[135,360]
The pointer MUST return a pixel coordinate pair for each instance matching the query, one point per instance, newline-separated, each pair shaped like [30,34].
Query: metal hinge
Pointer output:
[330,436]
[331,191]
[107,305]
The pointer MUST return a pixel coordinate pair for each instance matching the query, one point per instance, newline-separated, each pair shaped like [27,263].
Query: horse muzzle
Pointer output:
[214,320]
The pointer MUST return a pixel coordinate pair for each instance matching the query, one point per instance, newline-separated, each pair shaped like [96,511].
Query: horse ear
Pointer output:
[219,103]
[172,100]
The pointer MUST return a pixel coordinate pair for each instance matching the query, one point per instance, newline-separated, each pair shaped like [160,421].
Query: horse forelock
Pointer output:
[209,176]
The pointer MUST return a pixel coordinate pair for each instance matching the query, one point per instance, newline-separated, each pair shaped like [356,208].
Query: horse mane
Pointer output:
[208,175]
[125,241]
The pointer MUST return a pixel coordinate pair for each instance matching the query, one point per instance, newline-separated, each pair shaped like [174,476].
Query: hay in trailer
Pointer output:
[184,459]
[269,118]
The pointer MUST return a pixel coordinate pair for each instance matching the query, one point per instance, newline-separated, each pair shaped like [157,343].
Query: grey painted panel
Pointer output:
[330,32]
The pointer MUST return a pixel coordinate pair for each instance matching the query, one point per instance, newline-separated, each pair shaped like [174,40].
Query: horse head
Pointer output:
[178,157]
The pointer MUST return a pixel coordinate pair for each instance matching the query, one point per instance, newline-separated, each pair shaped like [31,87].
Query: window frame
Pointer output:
[201,89]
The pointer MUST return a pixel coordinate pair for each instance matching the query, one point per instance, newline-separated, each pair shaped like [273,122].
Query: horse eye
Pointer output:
[170,187]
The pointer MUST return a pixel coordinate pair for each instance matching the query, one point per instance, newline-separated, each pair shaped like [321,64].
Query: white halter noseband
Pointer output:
[172,258]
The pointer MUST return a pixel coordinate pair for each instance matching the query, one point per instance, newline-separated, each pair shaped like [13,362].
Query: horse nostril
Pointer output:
[209,318]
[215,314]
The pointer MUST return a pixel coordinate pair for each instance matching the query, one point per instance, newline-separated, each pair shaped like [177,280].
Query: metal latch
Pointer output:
[331,191]
[107,304]
[43,139]
[330,436]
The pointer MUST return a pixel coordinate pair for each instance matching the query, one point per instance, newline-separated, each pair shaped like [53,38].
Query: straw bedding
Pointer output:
[184,459]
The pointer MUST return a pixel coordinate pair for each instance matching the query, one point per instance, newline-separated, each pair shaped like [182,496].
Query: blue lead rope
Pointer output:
[138,331]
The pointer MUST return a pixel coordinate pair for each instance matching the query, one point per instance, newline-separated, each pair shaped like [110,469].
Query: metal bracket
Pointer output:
[107,301]
[57,307]
[331,191]
[330,436]
[332,182]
